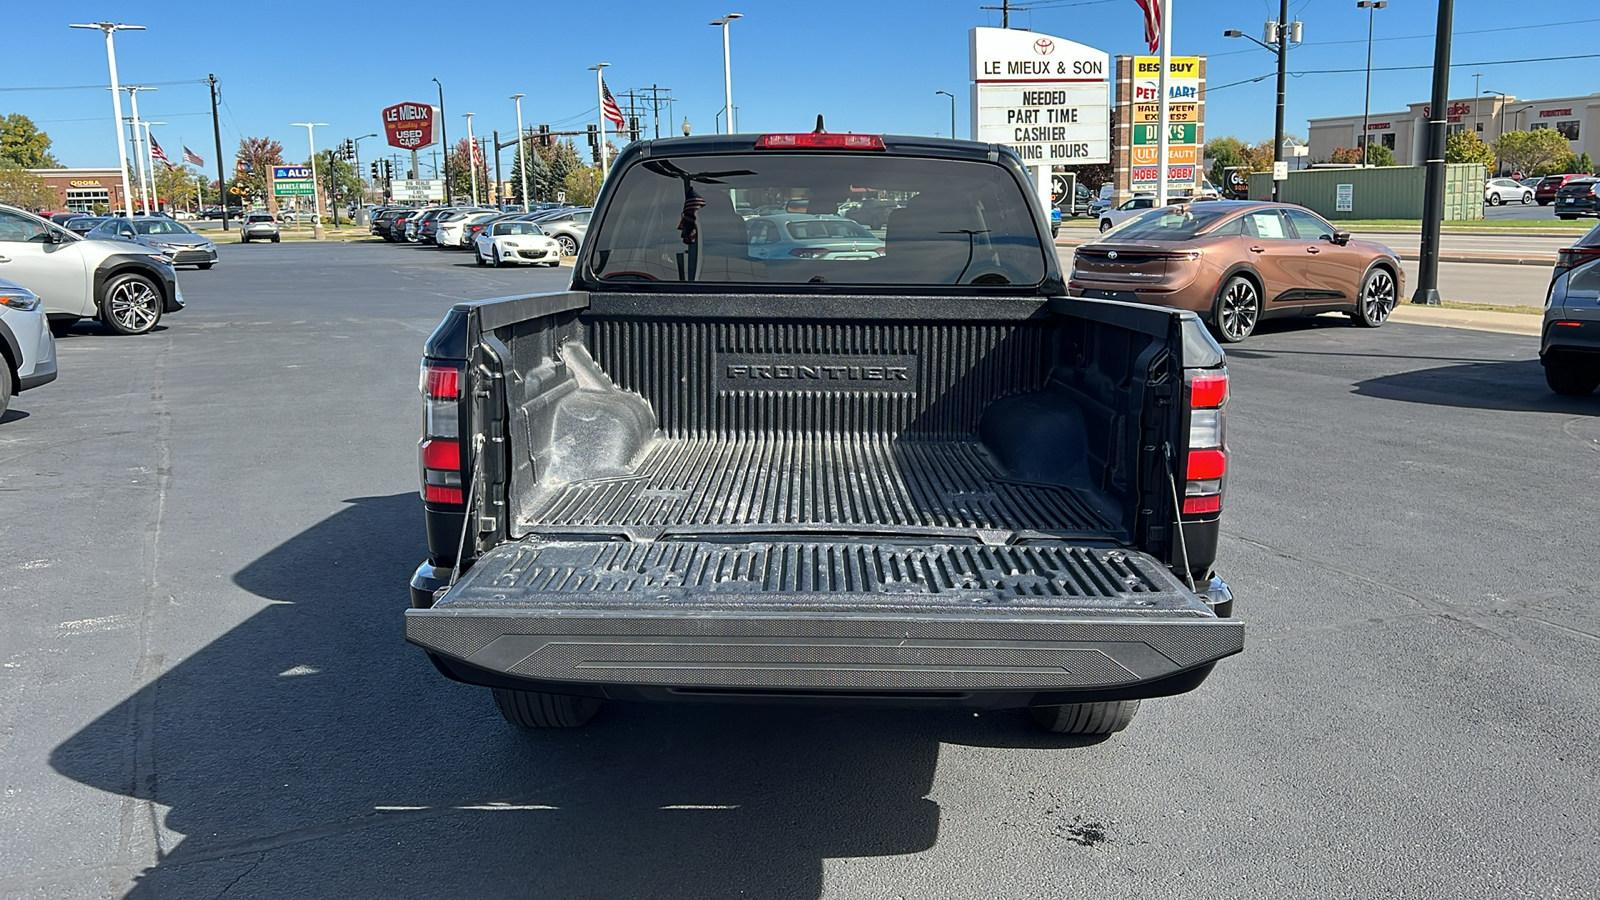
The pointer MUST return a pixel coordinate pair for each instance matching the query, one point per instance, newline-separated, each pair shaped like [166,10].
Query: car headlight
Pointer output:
[19,299]
[159,258]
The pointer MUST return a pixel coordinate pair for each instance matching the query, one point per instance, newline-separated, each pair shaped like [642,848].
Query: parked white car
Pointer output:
[452,231]
[1111,218]
[1504,190]
[124,285]
[519,243]
[27,349]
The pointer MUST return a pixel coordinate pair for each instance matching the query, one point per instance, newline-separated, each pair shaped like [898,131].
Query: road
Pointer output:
[204,688]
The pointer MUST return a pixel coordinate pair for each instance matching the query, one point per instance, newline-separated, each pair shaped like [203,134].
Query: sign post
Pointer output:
[1045,97]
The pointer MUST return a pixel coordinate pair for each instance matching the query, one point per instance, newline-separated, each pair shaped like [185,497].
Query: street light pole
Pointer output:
[472,156]
[952,111]
[355,146]
[444,138]
[522,155]
[1433,194]
[316,191]
[1502,129]
[1372,7]
[111,28]
[138,151]
[727,68]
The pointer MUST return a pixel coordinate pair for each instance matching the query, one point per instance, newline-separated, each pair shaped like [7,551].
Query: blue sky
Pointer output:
[868,66]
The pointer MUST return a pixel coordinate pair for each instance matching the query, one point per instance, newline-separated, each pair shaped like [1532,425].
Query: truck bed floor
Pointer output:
[818,481]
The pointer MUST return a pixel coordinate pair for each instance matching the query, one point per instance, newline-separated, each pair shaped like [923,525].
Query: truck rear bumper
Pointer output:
[708,621]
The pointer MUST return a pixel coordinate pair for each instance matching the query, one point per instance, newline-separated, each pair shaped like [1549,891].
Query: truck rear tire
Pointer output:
[535,709]
[1086,718]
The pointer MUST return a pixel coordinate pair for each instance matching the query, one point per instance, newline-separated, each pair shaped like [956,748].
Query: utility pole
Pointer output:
[216,135]
[1433,195]
[1283,77]
[1005,12]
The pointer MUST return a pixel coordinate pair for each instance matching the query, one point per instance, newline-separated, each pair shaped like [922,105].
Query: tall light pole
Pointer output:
[316,191]
[150,164]
[727,68]
[1502,129]
[1427,282]
[472,156]
[444,138]
[138,153]
[600,96]
[522,155]
[1372,7]
[111,28]
[952,111]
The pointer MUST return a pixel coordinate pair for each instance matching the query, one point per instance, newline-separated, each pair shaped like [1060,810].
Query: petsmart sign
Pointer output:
[1046,97]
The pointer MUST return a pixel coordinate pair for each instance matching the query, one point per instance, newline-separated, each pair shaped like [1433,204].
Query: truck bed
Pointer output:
[877,495]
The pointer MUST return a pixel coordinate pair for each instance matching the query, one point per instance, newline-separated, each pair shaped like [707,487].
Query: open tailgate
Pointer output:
[823,616]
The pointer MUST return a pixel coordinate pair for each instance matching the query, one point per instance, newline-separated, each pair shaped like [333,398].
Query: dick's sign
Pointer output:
[408,126]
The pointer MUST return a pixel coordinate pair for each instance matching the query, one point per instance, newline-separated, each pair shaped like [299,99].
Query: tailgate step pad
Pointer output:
[778,615]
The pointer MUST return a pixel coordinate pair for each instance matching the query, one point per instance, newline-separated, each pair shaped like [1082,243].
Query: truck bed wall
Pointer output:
[1046,396]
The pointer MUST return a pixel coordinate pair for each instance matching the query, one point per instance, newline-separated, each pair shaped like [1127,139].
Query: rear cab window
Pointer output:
[958,222]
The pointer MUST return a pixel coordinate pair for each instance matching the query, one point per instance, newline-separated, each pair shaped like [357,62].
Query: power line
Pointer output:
[1495,62]
[97,87]
[1416,37]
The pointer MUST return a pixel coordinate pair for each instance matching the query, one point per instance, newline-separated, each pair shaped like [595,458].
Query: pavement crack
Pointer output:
[242,875]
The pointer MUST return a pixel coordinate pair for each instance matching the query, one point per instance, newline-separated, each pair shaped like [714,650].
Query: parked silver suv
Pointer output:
[27,349]
[258,226]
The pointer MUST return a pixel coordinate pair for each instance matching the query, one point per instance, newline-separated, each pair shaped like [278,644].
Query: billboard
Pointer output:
[1046,97]
[408,126]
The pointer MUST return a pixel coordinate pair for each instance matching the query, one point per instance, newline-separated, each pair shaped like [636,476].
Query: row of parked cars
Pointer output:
[539,236]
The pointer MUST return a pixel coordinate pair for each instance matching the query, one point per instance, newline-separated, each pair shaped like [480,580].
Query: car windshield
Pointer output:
[517,228]
[1173,223]
[160,226]
[962,222]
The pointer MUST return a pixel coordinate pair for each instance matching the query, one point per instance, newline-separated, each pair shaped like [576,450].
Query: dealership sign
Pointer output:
[1045,97]
[408,126]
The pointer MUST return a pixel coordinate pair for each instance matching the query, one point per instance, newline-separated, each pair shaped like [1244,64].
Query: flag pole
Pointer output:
[600,102]
[1164,118]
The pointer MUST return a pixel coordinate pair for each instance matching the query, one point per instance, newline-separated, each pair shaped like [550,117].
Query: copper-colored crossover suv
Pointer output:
[1238,262]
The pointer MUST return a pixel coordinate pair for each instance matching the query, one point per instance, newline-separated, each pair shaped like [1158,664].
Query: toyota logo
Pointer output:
[1044,46]
[1111,254]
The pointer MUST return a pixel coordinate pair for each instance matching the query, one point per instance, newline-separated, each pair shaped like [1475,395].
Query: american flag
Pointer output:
[189,156]
[609,107]
[156,152]
[1152,23]
[689,222]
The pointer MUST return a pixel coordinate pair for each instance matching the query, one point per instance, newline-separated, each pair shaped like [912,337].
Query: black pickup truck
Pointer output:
[906,470]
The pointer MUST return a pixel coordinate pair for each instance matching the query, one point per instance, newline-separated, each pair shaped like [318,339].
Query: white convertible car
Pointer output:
[509,243]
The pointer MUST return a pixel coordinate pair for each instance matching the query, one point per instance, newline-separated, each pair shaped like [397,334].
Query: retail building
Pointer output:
[85,190]
[1577,118]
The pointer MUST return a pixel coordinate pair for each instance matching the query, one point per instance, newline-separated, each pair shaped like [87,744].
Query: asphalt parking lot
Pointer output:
[204,690]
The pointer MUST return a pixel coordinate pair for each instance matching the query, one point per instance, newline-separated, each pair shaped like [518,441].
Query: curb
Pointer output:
[1472,320]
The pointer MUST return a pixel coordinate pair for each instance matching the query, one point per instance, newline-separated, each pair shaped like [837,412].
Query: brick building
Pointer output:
[85,190]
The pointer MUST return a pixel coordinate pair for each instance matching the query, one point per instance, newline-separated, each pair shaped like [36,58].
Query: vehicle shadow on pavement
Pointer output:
[310,752]
[1511,386]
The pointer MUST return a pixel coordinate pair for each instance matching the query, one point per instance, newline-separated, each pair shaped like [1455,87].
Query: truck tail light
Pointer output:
[1207,464]
[440,448]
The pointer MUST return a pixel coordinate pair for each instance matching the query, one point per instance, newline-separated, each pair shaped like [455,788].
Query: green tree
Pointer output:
[176,186]
[1530,152]
[582,185]
[538,172]
[560,159]
[1225,153]
[22,144]
[340,184]
[1583,164]
[19,187]
[1464,147]
[253,171]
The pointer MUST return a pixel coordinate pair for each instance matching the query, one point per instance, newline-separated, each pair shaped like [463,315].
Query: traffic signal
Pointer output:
[544,135]
[633,128]
[594,136]
[374,169]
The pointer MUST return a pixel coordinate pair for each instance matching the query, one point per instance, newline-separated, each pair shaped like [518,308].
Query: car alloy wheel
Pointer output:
[1527,198]
[132,305]
[1377,298]
[569,247]
[1238,309]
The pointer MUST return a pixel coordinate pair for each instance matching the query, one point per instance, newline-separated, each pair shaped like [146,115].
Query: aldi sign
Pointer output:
[408,126]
